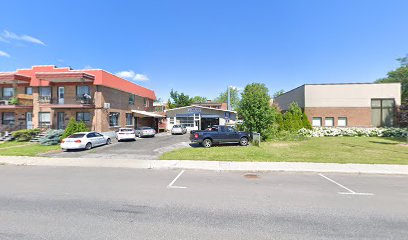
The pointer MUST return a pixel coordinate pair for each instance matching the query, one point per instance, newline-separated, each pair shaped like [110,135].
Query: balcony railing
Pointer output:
[77,100]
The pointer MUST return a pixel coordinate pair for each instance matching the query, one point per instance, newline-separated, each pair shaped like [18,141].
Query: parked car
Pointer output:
[178,129]
[125,134]
[84,140]
[219,135]
[145,132]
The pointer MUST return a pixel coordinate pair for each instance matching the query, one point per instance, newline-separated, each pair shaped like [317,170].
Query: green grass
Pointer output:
[369,150]
[22,149]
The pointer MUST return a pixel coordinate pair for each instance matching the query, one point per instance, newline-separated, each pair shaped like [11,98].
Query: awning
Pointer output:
[8,78]
[58,77]
[139,113]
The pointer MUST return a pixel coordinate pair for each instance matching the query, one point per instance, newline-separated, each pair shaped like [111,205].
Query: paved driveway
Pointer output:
[142,148]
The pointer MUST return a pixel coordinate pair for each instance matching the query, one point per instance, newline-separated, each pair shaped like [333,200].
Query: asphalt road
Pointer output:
[108,203]
[143,148]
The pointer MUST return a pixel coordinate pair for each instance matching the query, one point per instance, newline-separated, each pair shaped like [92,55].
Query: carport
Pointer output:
[148,119]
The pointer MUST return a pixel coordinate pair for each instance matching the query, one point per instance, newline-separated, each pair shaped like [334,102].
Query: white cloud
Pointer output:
[88,67]
[131,75]
[26,38]
[237,88]
[4,54]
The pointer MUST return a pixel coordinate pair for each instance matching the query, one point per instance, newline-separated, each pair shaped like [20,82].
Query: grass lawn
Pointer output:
[368,150]
[24,149]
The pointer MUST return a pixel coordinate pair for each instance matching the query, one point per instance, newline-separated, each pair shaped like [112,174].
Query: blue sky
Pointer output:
[201,47]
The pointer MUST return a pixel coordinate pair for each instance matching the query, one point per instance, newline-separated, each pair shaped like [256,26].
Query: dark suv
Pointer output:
[218,135]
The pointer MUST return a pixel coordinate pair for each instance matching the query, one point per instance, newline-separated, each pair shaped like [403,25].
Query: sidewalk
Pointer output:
[206,165]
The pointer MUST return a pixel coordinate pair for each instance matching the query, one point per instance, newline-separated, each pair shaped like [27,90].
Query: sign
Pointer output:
[226,115]
[194,110]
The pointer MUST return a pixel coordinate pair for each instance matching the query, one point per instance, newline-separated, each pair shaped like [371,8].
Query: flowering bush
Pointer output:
[354,132]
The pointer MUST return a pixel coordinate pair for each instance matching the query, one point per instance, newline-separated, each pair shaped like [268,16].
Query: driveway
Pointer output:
[142,148]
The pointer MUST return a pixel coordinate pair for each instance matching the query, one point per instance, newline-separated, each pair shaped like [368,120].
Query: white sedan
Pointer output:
[125,134]
[84,140]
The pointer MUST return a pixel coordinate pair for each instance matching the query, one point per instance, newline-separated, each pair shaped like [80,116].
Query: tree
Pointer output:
[178,99]
[256,111]
[73,127]
[198,99]
[278,93]
[235,99]
[399,75]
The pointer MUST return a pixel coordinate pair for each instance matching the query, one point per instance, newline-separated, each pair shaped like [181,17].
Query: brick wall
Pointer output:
[356,116]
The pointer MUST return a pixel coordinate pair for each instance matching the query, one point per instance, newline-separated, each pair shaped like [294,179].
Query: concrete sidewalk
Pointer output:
[207,165]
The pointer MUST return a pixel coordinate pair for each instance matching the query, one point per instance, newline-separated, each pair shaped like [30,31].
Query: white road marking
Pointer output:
[174,180]
[350,192]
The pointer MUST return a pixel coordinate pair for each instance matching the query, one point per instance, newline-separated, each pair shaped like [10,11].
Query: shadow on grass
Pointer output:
[197,145]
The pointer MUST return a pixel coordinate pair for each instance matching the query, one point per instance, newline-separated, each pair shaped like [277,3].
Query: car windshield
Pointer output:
[125,130]
[80,135]
[176,126]
[146,128]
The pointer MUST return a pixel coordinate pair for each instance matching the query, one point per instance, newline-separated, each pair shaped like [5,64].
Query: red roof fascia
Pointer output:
[14,76]
[62,75]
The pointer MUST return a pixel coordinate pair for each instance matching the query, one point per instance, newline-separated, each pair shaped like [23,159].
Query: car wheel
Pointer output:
[243,141]
[207,143]
[88,146]
[139,135]
[108,141]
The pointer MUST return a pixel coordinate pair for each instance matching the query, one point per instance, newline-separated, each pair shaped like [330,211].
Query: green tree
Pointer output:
[179,99]
[198,99]
[235,98]
[305,120]
[256,111]
[278,93]
[74,127]
[399,75]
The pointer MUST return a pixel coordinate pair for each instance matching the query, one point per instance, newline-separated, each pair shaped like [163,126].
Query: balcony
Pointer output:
[76,102]
[19,101]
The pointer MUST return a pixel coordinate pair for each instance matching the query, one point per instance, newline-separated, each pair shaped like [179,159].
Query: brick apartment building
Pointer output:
[48,97]
[346,105]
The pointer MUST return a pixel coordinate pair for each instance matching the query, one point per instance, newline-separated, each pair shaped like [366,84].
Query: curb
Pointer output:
[207,165]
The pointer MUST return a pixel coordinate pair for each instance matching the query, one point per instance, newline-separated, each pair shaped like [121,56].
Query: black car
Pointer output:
[219,135]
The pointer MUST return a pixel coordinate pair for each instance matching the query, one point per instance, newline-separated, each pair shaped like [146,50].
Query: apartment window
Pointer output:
[342,122]
[7,118]
[83,116]
[146,102]
[8,92]
[29,90]
[382,112]
[131,99]
[129,119]
[317,122]
[329,122]
[83,90]
[44,119]
[113,119]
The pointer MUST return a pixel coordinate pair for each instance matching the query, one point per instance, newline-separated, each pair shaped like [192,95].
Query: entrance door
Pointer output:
[60,120]
[61,94]
[29,120]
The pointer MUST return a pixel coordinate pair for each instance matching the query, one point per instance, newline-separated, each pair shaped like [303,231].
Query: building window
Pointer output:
[45,91]
[129,119]
[44,119]
[8,92]
[317,122]
[342,122]
[7,118]
[382,112]
[84,117]
[171,120]
[131,99]
[29,91]
[186,121]
[146,102]
[114,119]
[329,122]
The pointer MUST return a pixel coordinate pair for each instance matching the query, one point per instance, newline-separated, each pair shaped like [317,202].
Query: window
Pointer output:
[129,119]
[317,122]
[91,135]
[146,102]
[342,122]
[45,91]
[113,119]
[131,99]
[382,112]
[7,118]
[171,120]
[29,91]
[329,122]
[83,116]
[187,121]
[8,92]
[83,90]
[44,119]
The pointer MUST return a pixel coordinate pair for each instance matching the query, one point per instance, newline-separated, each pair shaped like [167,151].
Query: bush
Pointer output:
[25,135]
[74,127]
[51,138]
[354,132]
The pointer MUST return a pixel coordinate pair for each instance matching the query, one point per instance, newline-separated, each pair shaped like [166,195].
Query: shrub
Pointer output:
[51,138]
[73,127]
[13,101]
[354,132]
[305,121]
[25,135]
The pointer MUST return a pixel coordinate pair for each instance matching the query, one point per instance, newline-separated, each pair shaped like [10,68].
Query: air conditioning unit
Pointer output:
[106,105]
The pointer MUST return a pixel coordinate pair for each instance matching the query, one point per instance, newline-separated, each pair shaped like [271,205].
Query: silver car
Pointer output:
[178,129]
[145,132]
[84,140]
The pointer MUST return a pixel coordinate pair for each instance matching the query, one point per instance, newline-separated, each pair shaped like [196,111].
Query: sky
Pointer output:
[200,47]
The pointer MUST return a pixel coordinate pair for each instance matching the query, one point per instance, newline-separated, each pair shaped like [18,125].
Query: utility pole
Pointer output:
[229,98]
